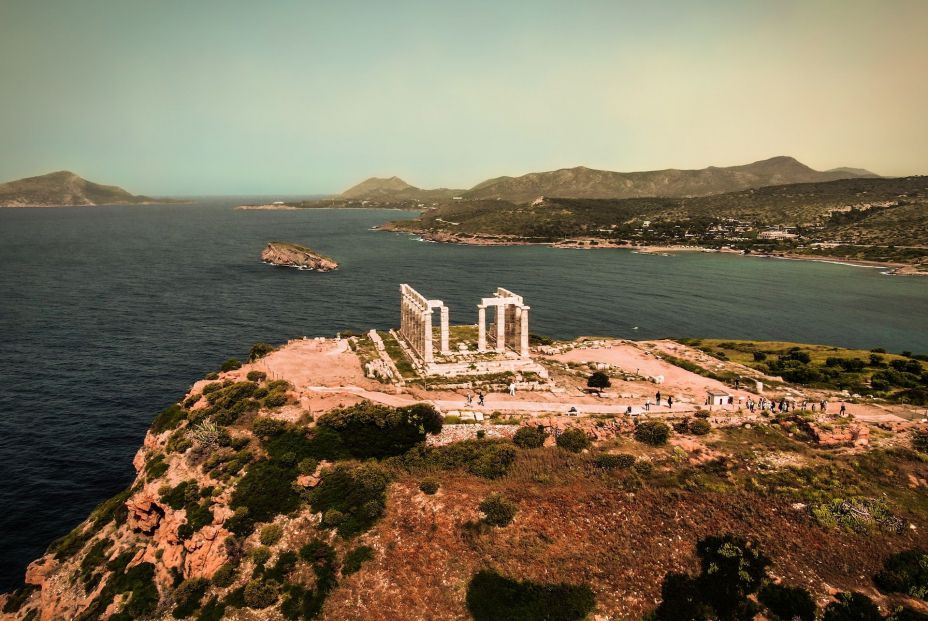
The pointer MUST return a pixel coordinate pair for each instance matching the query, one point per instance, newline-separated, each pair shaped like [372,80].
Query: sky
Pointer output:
[301,97]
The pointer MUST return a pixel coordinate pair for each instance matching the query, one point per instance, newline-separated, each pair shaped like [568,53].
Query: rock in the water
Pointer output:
[294,255]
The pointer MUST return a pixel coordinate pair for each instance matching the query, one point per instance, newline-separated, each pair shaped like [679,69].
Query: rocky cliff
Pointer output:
[65,189]
[294,255]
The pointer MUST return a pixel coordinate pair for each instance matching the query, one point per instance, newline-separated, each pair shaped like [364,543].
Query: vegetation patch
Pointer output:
[487,458]
[491,597]
[351,497]
[355,558]
[372,430]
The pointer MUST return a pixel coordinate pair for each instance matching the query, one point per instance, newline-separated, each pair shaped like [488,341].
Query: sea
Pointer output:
[108,314]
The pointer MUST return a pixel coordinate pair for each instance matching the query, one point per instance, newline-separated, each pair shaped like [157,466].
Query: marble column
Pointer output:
[481,328]
[501,328]
[445,336]
[523,334]
[427,336]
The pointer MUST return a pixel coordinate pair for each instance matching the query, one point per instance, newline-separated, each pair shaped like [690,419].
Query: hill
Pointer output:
[872,211]
[386,189]
[582,182]
[64,189]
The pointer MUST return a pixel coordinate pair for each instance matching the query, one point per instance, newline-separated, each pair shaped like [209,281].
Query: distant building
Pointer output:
[457,198]
[775,234]
[718,397]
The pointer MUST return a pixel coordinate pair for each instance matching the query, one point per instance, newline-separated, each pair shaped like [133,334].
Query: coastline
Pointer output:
[592,243]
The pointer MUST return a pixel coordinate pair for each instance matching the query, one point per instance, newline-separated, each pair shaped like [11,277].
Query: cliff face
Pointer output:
[293,255]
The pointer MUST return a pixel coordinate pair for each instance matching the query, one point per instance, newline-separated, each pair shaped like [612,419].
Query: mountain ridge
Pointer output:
[585,182]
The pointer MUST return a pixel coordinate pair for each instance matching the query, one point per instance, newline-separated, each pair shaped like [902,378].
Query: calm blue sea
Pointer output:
[107,314]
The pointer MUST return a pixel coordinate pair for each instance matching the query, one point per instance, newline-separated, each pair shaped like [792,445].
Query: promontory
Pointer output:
[293,255]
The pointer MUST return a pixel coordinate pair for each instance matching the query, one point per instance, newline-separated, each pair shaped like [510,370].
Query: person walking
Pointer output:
[670,402]
[512,389]
[843,410]
[469,400]
[480,398]
[657,399]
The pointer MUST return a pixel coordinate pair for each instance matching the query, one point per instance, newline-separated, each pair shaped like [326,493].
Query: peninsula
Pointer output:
[66,189]
[477,471]
[285,254]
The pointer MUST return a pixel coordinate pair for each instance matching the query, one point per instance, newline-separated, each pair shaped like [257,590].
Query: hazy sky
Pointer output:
[225,97]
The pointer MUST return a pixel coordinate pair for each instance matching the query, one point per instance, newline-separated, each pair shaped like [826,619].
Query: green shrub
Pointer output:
[136,583]
[681,600]
[428,486]
[652,432]
[609,461]
[920,440]
[497,510]
[904,613]
[530,437]
[266,427]
[224,576]
[492,597]
[318,552]
[307,465]
[214,610]
[787,602]
[355,558]
[187,597]
[702,413]
[573,440]
[155,466]
[276,399]
[905,572]
[699,427]
[265,491]
[169,418]
[358,492]
[260,350]
[271,534]
[284,564]
[852,607]
[261,555]
[260,593]
[643,467]
[598,380]
[231,364]
[372,430]
[256,376]
[212,375]
[484,458]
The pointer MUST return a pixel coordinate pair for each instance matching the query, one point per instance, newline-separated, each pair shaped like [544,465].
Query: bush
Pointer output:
[230,364]
[266,427]
[787,602]
[491,597]
[372,430]
[256,376]
[266,492]
[920,440]
[497,510]
[261,555]
[187,597]
[484,458]
[260,350]
[700,427]
[357,492]
[307,465]
[355,558]
[608,461]
[598,380]
[271,534]
[852,607]
[429,486]
[573,440]
[652,432]
[681,600]
[530,437]
[260,593]
[168,419]
[905,613]
[276,399]
[224,576]
[905,572]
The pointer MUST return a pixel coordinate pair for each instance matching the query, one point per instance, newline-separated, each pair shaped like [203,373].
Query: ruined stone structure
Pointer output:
[416,323]
[510,325]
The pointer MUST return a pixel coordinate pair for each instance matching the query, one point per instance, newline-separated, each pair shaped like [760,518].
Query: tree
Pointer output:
[681,600]
[530,437]
[732,569]
[598,380]
[260,350]
[788,602]
[573,440]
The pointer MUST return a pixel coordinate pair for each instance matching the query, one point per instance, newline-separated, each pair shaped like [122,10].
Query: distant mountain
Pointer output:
[63,189]
[394,189]
[582,182]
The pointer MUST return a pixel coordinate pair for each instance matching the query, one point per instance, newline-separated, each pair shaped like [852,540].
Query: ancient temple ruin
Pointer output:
[504,347]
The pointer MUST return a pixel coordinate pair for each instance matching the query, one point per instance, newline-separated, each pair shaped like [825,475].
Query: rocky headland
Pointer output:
[301,486]
[293,255]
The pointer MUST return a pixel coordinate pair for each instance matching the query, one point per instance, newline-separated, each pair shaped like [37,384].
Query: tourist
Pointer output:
[823,404]
[480,398]
[670,402]
[843,411]
[512,389]
[469,400]
[657,398]
[647,406]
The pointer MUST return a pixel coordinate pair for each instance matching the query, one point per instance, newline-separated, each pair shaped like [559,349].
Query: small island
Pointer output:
[286,254]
